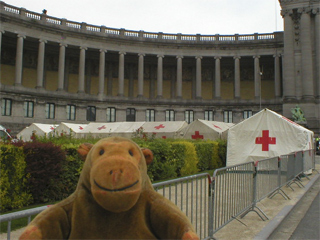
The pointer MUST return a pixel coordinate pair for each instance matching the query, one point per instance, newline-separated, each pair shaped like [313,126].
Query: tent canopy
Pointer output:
[167,129]
[69,129]
[264,135]
[96,130]
[38,129]
[203,129]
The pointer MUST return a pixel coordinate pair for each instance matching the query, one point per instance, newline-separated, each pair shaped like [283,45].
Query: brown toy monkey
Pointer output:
[114,199]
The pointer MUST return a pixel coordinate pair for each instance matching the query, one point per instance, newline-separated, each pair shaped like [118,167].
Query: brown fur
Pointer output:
[114,199]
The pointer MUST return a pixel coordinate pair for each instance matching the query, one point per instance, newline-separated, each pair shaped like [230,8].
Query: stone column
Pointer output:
[19,60]
[82,63]
[306,56]
[237,77]
[289,86]
[102,71]
[257,78]
[121,74]
[110,79]
[61,70]
[1,32]
[277,86]
[160,76]
[179,77]
[40,67]
[140,74]
[317,49]
[198,77]
[217,82]
[131,80]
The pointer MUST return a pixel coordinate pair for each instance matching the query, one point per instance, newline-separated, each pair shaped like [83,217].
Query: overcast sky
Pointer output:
[168,16]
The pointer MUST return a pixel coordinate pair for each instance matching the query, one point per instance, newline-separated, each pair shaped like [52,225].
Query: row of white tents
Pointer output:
[266,134]
[199,129]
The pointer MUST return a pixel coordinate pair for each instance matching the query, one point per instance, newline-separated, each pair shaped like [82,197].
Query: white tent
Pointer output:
[98,130]
[264,135]
[69,129]
[203,129]
[39,129]
[127,129]
[168,129]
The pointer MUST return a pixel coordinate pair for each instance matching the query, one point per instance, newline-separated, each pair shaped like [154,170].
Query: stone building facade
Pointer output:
[56,70]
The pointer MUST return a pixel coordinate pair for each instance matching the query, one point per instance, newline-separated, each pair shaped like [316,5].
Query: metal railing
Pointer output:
[232,192]
[191,195]
[17,215]
[237,189]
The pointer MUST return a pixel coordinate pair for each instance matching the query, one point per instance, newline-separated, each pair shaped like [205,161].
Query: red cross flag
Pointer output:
[264,135]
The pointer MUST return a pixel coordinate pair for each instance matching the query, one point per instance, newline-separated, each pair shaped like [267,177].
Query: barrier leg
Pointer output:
[281,192]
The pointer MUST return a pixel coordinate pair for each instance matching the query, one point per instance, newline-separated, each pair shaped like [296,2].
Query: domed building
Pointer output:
[56,70]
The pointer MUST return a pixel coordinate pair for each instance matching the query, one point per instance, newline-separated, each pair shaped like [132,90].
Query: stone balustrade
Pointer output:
[139,35]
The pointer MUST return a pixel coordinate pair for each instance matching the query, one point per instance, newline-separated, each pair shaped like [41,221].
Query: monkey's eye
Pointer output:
[101,152]
[130,152]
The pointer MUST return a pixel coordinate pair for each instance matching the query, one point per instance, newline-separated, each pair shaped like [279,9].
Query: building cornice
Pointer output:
[66,28]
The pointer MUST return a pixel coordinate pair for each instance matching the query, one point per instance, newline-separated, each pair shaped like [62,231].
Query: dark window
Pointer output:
[188,115]
[6,108]
[29,109]
[91,113]
[131,115]
[150,115]
[50,110]
[227,116]
[170,115]
[71,112]
[208,115]
[247,114]
[111,114]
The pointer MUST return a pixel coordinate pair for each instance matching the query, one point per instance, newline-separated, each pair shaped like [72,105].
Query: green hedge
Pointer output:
[13,178]
[51,169]
[71,169]
[186,158]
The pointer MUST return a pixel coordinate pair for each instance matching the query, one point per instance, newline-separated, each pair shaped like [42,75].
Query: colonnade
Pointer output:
[141,56]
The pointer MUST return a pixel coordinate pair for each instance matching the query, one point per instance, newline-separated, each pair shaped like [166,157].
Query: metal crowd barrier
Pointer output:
[232,192]
[237,189]
[191,195]
[21,214]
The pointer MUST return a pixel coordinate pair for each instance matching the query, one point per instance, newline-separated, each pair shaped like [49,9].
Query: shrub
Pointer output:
[162,166]
[44,166]
[216,160]
[71,169]
[185,158]
[205,152]
[222,152]
[13,180]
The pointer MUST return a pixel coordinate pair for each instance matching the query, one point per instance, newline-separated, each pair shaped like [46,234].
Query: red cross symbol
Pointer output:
[52,128]
[80,128]
[158,127]
[265,140]
[102,127]
[197,135]
[217,126]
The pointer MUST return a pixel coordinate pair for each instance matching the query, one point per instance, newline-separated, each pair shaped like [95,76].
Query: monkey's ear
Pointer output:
[84,149]
[148,155]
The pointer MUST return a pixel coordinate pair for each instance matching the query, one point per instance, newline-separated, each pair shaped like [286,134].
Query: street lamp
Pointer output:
[260,73]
